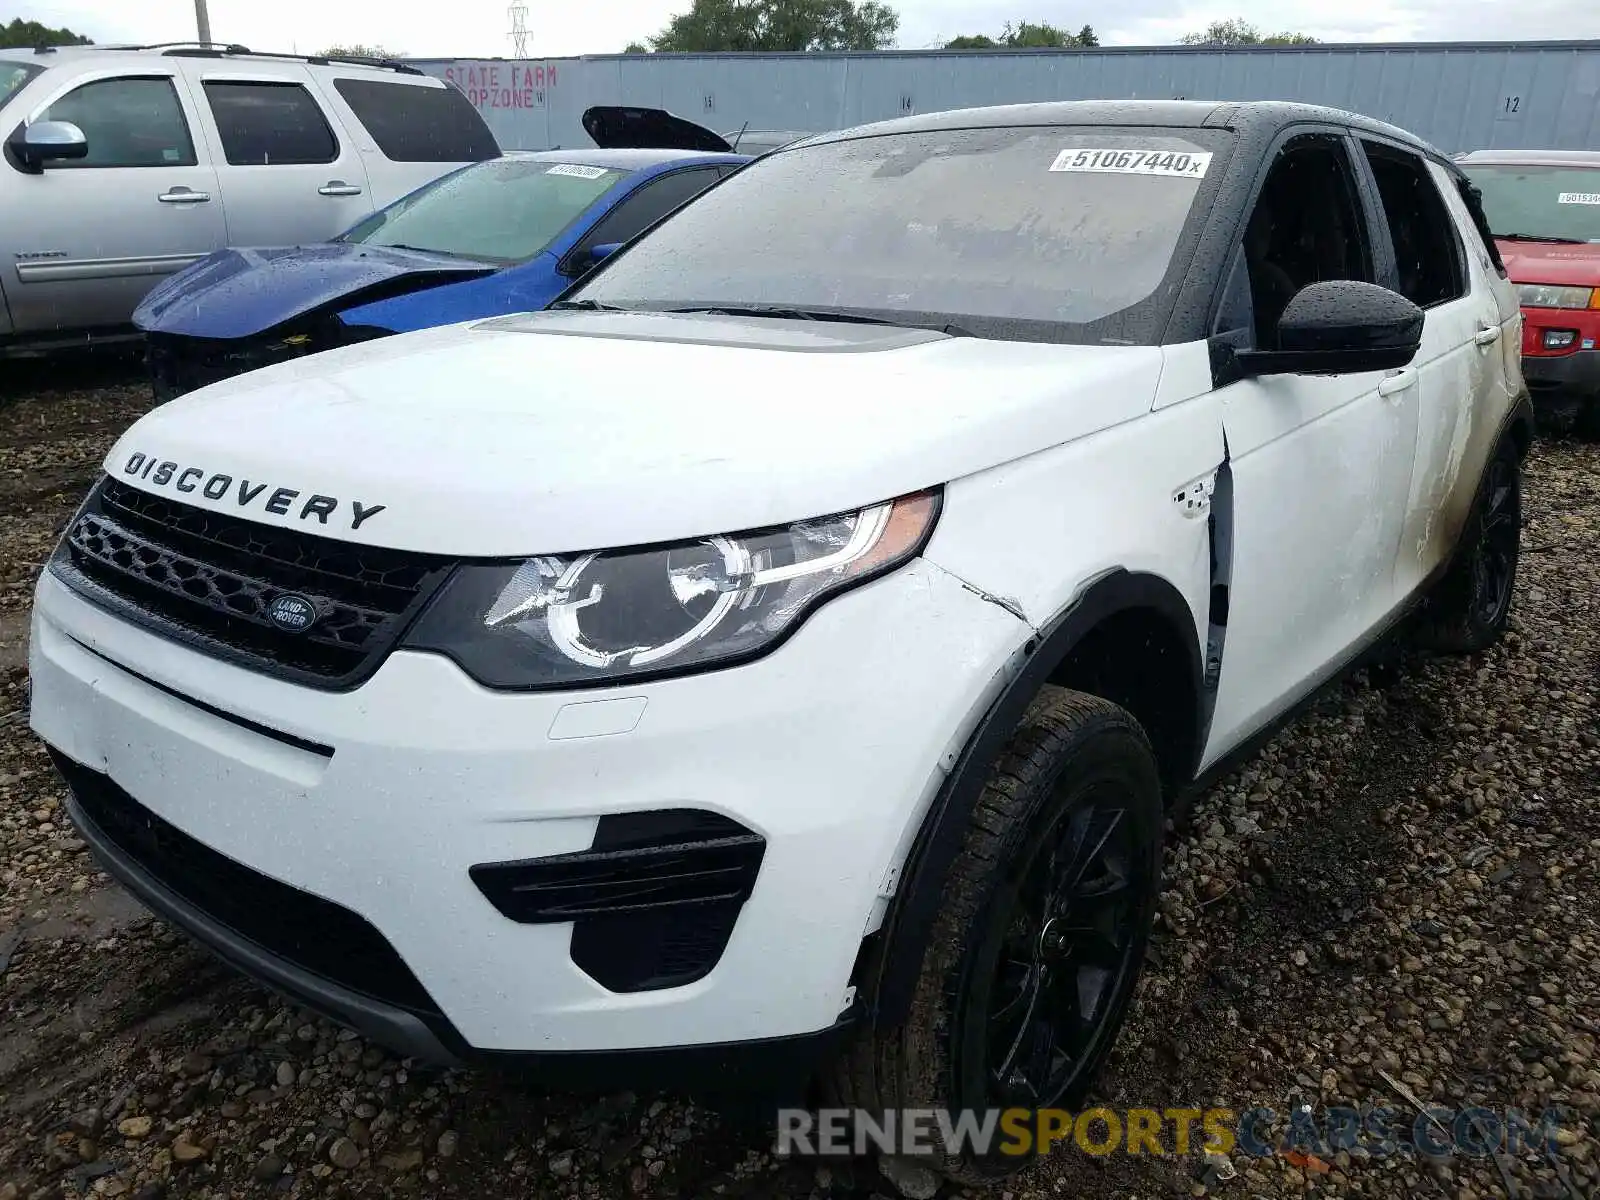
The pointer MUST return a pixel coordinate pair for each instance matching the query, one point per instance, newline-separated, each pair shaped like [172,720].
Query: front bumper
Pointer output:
[375,804]
[1577,373]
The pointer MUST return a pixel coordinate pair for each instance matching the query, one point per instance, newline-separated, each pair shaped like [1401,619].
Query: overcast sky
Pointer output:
[479,28]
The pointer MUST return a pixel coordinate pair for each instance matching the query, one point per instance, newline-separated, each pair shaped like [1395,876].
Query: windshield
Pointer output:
[1558,202]
[504,210]
[13,75]
[1039,234]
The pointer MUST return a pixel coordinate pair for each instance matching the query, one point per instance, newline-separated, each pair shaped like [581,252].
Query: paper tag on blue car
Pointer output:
[1135,162]
[575,169]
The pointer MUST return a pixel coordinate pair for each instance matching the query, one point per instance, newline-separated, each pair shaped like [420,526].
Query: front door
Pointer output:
[84,240]
[1319,466]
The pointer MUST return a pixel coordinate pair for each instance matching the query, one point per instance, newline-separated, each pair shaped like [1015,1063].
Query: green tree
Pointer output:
[757,25]
[636,48]
[357,50]
[20,34]
[1026,35]
[1241,33]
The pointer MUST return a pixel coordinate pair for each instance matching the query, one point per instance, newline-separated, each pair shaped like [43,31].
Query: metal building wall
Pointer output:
[1460,96]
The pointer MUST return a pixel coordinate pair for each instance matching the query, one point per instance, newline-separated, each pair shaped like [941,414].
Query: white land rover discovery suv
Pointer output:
[782,656]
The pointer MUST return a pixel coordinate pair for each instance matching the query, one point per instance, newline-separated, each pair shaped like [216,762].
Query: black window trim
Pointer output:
[304,85]
[169,78]
[569,260]
[1472,200]
[1458,250]
[1378,254]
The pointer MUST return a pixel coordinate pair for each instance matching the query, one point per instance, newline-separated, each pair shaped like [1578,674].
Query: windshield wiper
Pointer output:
[1541,237]
[589,306]
[780,313]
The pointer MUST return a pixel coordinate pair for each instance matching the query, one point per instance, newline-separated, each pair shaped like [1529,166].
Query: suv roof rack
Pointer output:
[222,50]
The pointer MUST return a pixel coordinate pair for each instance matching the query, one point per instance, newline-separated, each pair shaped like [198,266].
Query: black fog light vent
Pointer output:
[653,901]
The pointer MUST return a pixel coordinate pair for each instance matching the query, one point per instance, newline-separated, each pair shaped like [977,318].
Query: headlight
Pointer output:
[608,616]
[1548,295]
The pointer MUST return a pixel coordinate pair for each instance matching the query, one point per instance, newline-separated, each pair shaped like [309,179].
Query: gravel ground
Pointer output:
[1404,884]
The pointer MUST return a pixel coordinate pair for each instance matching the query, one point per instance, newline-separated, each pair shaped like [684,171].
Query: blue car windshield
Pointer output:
[503,210]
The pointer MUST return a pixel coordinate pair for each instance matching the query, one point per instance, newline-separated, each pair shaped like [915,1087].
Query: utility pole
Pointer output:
[202,20]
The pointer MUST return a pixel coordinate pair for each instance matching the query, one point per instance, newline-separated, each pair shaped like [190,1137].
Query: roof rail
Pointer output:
[213,46]
[221,50]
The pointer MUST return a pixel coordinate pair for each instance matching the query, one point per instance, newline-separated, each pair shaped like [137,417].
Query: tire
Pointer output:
[1078,772]
[1470,606]
[1588,422]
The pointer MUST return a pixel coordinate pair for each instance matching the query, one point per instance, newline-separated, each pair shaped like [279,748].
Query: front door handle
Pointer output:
[338,187]
[183,195]
[1487,334]
[1398,382]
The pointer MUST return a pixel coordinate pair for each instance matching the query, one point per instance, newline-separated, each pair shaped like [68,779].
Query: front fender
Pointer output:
[525,288]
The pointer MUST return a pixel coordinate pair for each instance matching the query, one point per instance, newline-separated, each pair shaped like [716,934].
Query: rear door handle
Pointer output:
[1398,382]
[338,187]
[183,195]
[1487,335]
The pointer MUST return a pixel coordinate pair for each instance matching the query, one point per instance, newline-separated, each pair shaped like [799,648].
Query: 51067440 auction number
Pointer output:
[1134,162]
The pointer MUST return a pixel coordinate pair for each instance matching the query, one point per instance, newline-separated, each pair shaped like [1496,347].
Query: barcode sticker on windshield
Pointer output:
[1134,162]
[574,169]
[1578,198]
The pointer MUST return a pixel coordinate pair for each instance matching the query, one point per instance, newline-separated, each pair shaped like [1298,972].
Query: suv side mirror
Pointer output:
[48,141]
[1340,326]
[602,250]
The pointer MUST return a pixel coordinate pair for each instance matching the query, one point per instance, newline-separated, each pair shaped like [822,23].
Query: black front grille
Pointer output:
[180,365]
[208,579]
[303,930]
[183,364]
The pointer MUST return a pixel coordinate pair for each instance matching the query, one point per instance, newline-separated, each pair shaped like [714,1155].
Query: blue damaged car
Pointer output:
[503,236]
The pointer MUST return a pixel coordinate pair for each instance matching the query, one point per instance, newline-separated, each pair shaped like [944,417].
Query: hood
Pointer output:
[238,293]
[563,431]
[616,128]
[1568,263]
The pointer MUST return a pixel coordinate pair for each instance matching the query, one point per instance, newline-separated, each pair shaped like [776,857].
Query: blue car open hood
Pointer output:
[239,293]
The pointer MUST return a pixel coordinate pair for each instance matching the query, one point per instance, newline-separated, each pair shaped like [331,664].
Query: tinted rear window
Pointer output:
[412,123]
[270,124]
[1039,233]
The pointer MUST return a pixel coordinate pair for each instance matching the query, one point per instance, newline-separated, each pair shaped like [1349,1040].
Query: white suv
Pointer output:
[124,164]
[784,654]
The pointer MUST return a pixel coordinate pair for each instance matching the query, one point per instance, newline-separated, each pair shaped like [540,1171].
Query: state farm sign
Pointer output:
[503,85]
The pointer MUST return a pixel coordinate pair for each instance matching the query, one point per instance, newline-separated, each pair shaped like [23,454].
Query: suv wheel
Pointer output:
[1471,605]
[1041,934]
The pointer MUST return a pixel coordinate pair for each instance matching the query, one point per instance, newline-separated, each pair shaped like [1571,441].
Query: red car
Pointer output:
[1544,210]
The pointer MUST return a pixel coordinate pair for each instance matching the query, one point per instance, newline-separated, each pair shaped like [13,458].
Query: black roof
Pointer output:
[1255,117]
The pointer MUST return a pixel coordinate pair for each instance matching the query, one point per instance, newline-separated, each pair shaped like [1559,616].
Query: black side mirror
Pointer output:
[1337,327]
[48,141]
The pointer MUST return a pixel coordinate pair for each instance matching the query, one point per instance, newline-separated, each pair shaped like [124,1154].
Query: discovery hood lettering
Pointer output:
[162,473]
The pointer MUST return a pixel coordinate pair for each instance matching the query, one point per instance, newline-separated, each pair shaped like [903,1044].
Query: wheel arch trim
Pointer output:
[892,958]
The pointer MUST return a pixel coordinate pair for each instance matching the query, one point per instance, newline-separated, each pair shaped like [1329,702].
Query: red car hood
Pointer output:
[1551,262]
